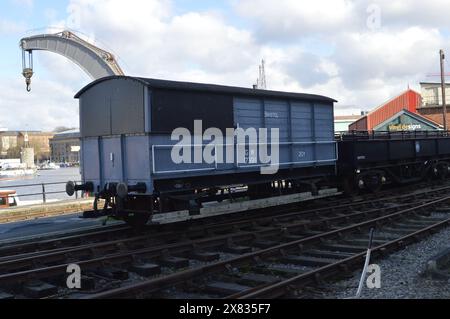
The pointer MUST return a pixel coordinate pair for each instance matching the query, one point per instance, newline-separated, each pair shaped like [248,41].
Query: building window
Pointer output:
[432,97]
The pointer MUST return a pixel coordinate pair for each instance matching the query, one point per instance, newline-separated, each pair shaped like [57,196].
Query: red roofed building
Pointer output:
[409,100]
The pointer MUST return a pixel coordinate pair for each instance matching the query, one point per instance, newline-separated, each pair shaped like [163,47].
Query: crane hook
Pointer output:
[28,73]
[27,68]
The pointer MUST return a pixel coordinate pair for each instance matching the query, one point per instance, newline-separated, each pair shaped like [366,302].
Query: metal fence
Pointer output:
[41,191]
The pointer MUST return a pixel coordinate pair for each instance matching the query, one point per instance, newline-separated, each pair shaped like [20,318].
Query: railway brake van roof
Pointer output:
[212,88]
[130,105]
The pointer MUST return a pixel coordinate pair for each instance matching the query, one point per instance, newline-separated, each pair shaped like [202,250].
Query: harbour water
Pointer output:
[29,189]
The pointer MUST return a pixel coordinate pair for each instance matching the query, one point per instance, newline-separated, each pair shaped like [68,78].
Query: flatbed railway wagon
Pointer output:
[126,126]
[368,160]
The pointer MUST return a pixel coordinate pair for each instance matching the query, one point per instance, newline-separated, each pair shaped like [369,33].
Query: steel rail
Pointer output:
[339,203]
[23,276]
[153,285]
[279,289]
[44,246]
[9,264]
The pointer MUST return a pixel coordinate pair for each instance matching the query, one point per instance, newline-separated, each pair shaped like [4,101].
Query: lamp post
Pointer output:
[444,104]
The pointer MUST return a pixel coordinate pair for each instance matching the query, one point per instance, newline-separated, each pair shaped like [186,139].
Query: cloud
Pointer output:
[365,58]
[60,70]
[287,20]
[194,46]
[284,19]
[363,66]
[304,67]
[356,62]
[432,13]
[359,66]
[163,44]
[49,105]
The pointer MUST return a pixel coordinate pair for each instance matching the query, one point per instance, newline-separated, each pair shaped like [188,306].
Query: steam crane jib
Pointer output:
[97,63]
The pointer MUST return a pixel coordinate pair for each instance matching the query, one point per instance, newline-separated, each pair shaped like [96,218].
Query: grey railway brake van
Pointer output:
[126,125]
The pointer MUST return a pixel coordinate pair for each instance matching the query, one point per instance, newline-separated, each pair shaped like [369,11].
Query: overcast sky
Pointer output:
[358,52]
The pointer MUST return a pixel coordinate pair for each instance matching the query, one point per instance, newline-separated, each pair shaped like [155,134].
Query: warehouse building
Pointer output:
[398,114]
[65,147]
[407,121]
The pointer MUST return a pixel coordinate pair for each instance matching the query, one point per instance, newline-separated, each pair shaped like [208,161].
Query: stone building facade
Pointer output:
[11,141]
[65,147]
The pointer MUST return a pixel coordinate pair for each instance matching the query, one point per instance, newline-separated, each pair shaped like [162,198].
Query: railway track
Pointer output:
[110,263]
[190,229]
[287,268]
[52,241]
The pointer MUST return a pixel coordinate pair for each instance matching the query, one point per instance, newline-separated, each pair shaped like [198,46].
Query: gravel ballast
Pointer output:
[402,274]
